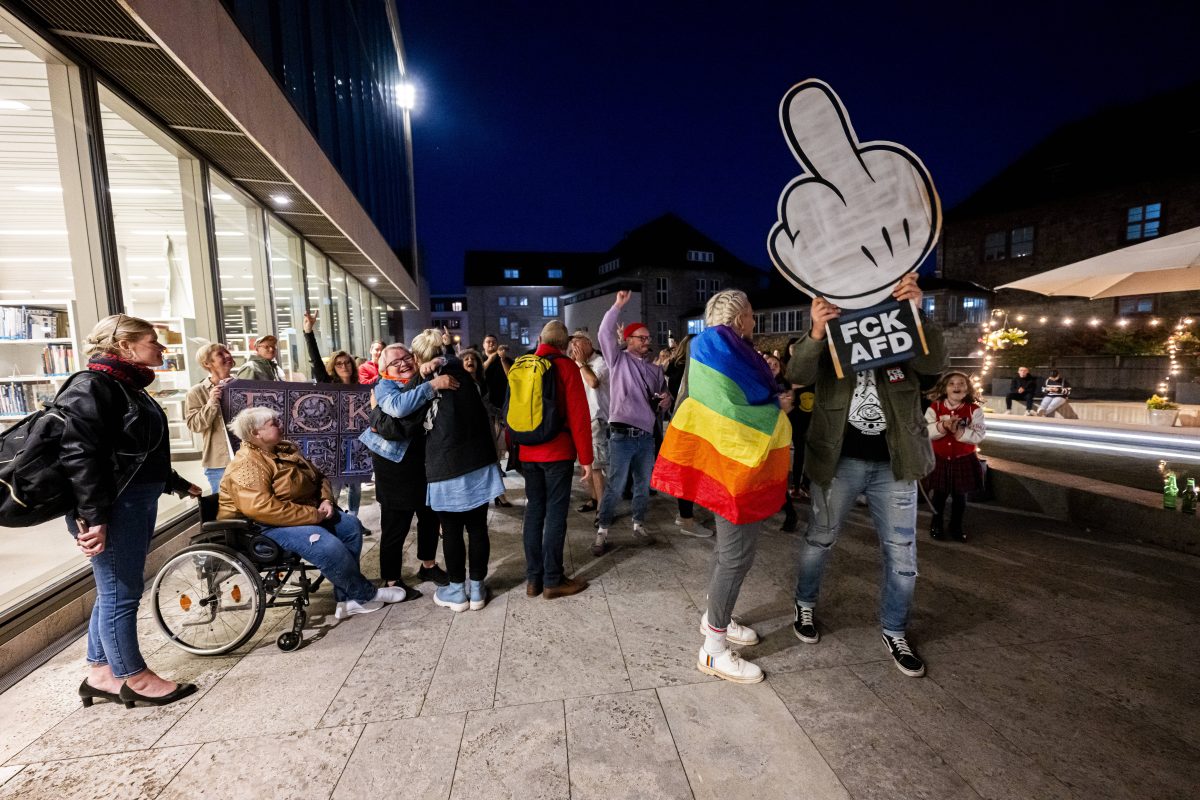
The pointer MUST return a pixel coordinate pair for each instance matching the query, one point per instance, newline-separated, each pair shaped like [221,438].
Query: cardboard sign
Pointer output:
[324,420]
[862,216]
[872,337]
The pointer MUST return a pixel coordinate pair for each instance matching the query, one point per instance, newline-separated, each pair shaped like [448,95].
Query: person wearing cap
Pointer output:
[594,373]
[262,365]
[637,392]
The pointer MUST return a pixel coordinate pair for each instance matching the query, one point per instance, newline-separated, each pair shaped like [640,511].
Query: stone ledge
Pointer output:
[1128,513]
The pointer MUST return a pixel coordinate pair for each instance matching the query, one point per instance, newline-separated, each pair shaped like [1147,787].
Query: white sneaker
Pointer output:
[390,594]
[729,666]
[641,535]
[350,608]
[689,527]
[737,634]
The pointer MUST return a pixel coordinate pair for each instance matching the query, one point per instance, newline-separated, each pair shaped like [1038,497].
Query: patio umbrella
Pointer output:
[1166,264]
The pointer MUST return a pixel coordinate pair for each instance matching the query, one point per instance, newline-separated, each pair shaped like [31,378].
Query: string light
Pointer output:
[1068,321]
[1093,322]
[1122,322]
[1042,320]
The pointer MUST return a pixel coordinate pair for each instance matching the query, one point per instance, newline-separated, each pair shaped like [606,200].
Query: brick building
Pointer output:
[1119,177]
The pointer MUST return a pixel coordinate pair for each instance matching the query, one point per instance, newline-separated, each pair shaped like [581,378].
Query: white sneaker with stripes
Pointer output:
[729,666]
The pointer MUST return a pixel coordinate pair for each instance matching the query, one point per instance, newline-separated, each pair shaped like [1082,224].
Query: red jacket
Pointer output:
[574,441]
[368,373]
[970,417]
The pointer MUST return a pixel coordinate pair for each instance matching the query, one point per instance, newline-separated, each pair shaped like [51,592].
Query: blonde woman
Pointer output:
[461,467]
[202,411]
[116,452]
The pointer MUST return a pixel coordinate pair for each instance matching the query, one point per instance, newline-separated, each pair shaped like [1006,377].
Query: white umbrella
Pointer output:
[1167,264]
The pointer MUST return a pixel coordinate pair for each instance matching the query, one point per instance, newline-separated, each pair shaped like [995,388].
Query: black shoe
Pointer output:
[907,660]
[958,536]
[409,592]
[805,626]
[90,694]
[131,698]
[935,527]
[435,574]
[789,526]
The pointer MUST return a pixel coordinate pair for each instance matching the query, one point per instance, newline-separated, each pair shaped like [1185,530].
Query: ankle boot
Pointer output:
[452,596]
[935,527]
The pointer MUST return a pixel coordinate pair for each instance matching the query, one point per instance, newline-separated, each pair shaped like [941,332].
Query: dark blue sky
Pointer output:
[560,126]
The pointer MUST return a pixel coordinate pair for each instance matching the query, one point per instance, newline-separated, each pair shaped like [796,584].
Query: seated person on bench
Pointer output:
[270,482]
[1022,389]
[1056,391]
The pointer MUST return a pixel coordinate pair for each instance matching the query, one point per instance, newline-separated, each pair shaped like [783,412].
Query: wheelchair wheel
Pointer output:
[208,599]
[288,641]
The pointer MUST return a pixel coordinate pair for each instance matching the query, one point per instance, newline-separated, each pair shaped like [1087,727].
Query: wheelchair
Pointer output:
[211,596]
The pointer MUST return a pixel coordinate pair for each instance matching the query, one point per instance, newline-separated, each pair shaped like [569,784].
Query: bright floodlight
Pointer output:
[406,95]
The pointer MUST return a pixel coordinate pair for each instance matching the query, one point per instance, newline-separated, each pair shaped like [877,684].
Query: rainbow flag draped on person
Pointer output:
[727,447]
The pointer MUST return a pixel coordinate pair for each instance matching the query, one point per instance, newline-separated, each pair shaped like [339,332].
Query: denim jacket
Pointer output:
[396,400]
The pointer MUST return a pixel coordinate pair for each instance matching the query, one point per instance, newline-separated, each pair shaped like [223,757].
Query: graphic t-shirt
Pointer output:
[866,423]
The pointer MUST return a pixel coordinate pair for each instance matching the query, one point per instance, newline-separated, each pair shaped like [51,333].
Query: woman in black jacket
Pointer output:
[116,453]
[338,368]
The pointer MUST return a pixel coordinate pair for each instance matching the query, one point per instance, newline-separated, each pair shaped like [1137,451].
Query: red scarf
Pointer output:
[127,372]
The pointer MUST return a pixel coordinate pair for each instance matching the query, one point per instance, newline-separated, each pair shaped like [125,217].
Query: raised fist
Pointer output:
[861,217]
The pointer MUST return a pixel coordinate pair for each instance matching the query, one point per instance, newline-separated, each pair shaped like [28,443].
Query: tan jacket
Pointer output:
[206,420]
[281,490]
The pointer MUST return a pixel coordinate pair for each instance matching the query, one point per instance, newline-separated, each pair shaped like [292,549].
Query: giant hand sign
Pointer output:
[861,217]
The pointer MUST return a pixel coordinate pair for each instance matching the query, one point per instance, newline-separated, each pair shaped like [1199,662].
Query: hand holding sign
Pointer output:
[862,216]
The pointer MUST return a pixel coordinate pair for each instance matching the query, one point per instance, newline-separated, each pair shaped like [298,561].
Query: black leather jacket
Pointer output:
[109,431]
[461,438]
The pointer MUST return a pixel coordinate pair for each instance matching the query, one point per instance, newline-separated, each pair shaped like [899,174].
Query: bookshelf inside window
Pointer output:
[39,349]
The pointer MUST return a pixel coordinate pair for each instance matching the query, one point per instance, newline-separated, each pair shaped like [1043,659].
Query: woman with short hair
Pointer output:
[461,469]
[116,453]
[270,482]
[727,449]
[399,462]
[202,411]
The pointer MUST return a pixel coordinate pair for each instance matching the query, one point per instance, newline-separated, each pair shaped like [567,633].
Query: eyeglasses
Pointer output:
[400,362]
[639,336]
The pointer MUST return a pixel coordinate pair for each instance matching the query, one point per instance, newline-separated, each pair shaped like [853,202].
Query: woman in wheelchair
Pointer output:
[271,483]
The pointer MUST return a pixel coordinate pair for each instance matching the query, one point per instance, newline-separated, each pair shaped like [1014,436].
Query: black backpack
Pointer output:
[33,487]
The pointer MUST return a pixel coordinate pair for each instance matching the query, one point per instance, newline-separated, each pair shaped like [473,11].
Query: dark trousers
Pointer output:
[687,509]
[547,499]
[1026,398]
[454,549]
[396,523]
[958,506]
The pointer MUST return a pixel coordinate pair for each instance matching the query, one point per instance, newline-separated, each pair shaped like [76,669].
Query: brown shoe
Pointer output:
[569,586]
[533,589]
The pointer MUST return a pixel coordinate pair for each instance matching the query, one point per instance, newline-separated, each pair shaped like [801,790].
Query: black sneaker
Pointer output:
[805,626]
[435,574]
[907,661]
[935,527]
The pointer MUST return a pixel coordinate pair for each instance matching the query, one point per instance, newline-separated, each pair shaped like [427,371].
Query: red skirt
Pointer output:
[961,475]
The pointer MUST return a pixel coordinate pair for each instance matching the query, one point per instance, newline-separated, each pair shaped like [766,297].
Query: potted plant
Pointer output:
[1162,411]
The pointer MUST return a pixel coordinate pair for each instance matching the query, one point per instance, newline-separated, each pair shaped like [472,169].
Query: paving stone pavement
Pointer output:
[1059,666]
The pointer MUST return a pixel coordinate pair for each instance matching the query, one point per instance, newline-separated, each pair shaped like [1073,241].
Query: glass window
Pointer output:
[1142,222]
[1140,304]
[503,301]
[995,245]
[695,326]
[504,323]
[512,273]
[287,285]
[524,300]
[928,305]
[1022,242]
[554,274]
[456,305]
[663,332]
[660,291]
[549,306]
[338,310]
[353,315]
[320,300]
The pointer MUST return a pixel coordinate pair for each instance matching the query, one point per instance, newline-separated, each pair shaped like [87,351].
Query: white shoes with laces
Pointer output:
[729,666]
[349,608]
[735,634]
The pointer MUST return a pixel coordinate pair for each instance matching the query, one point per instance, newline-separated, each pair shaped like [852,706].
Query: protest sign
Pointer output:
[324,420]
[872,337]
[861,216]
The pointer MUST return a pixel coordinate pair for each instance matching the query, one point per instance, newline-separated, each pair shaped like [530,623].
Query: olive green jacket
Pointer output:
[907,436]
[258,368]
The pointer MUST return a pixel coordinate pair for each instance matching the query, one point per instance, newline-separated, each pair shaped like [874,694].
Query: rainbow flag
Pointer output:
[727,447]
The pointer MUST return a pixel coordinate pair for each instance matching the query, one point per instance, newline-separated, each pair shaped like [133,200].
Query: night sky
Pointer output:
[561,126]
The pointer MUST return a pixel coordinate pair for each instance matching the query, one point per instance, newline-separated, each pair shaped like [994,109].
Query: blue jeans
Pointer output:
[335,554]
[893,507]
[629,450]
[547,500]
[119,570]
[214,476]
[354,496]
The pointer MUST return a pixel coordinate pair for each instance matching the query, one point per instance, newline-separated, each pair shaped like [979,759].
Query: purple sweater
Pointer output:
[631,379]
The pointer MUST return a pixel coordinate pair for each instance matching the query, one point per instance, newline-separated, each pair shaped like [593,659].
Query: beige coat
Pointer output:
[280,489]
[206,420]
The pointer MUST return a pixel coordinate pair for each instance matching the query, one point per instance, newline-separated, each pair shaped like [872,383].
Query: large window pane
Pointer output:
[287,285]
[316,270]
[354,317]
[338,309]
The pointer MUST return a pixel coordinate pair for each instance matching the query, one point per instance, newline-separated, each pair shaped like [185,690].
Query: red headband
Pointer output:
[631,329]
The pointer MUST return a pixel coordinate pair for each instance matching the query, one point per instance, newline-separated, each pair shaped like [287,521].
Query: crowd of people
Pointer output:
[708,421]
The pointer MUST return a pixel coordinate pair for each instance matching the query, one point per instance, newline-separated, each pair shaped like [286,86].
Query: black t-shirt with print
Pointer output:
[866,425]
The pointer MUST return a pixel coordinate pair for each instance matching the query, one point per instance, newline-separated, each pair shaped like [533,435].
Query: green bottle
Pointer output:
[1188,498]
[1170,492]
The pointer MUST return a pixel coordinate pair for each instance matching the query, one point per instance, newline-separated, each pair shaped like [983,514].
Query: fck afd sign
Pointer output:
[872,337]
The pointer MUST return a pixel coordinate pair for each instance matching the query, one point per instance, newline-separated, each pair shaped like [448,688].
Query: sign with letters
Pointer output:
[876,336]
[323,419]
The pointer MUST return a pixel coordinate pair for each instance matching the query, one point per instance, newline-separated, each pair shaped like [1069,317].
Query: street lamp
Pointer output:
[406,96]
